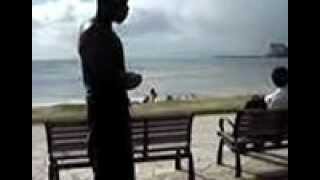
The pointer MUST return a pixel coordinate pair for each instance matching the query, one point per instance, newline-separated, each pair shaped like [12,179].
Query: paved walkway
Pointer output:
[204,147]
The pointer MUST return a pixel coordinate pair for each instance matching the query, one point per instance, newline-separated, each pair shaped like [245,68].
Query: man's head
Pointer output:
[112,10]
[280,76]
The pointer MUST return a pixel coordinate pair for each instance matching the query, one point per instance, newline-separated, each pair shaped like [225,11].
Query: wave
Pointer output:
[73,102]
[56,103]
[57,60]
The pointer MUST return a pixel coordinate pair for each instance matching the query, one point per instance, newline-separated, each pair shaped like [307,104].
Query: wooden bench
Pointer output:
[154,138]
[253,130]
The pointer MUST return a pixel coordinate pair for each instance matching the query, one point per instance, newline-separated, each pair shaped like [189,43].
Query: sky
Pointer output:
[165,28]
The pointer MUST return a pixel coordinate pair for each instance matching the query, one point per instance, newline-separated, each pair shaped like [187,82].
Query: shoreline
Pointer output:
[198,106]
[139,100]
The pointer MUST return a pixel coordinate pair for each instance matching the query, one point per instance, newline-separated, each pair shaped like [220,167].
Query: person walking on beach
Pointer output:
[106,81]
[153,94]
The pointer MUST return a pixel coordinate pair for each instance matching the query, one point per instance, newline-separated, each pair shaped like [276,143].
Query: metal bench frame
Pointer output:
[253,131]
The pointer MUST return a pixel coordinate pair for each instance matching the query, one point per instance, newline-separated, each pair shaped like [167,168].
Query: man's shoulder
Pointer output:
[85,26]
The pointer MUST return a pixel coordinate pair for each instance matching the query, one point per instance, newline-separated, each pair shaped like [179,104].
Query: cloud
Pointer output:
[147,22]
[55,26]
[170,27]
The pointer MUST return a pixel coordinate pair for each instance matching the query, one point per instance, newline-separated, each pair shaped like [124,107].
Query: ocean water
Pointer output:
[60,81]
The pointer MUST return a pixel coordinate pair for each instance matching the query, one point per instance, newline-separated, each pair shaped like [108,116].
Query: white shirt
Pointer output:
[278,99]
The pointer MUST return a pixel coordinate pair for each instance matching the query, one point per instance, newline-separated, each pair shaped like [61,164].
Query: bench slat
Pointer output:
[162,140]
[66,136]
[160,130]
[68,129]
[69,147]
[160,125]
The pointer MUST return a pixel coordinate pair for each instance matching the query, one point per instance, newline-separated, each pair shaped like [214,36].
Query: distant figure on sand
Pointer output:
[154,95]
[107,81]
[170,98]
[146,99]
[279,98]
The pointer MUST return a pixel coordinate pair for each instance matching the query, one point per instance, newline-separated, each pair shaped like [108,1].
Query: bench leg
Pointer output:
[220,152]
[238,164]
[178,161]
[191,168]
[53,172]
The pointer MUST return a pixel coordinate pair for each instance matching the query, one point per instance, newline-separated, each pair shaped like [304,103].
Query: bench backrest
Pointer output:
[64,137]
[262,123]
[146,131]
[163,132]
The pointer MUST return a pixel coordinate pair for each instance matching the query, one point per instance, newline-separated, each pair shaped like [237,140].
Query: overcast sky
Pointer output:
[166,28]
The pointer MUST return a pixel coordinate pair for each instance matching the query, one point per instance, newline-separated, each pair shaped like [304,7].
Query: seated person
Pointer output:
[257,102]
[146,99]
[153,95]
[279,98]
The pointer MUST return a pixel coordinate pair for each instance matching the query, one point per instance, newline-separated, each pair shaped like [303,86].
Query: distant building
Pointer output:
[278,50]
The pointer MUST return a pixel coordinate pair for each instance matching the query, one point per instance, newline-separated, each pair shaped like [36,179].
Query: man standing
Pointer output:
[105,78]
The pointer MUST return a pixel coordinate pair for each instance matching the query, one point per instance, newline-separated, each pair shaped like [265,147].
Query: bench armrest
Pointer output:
[227,137]
[222,122]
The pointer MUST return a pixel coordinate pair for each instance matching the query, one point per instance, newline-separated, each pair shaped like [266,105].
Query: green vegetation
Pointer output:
[197,106]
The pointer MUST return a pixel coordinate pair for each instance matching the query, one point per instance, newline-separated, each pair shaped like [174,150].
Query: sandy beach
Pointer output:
[204,148]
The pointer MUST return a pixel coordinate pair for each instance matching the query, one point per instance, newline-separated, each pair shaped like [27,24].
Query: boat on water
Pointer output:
[278,50]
